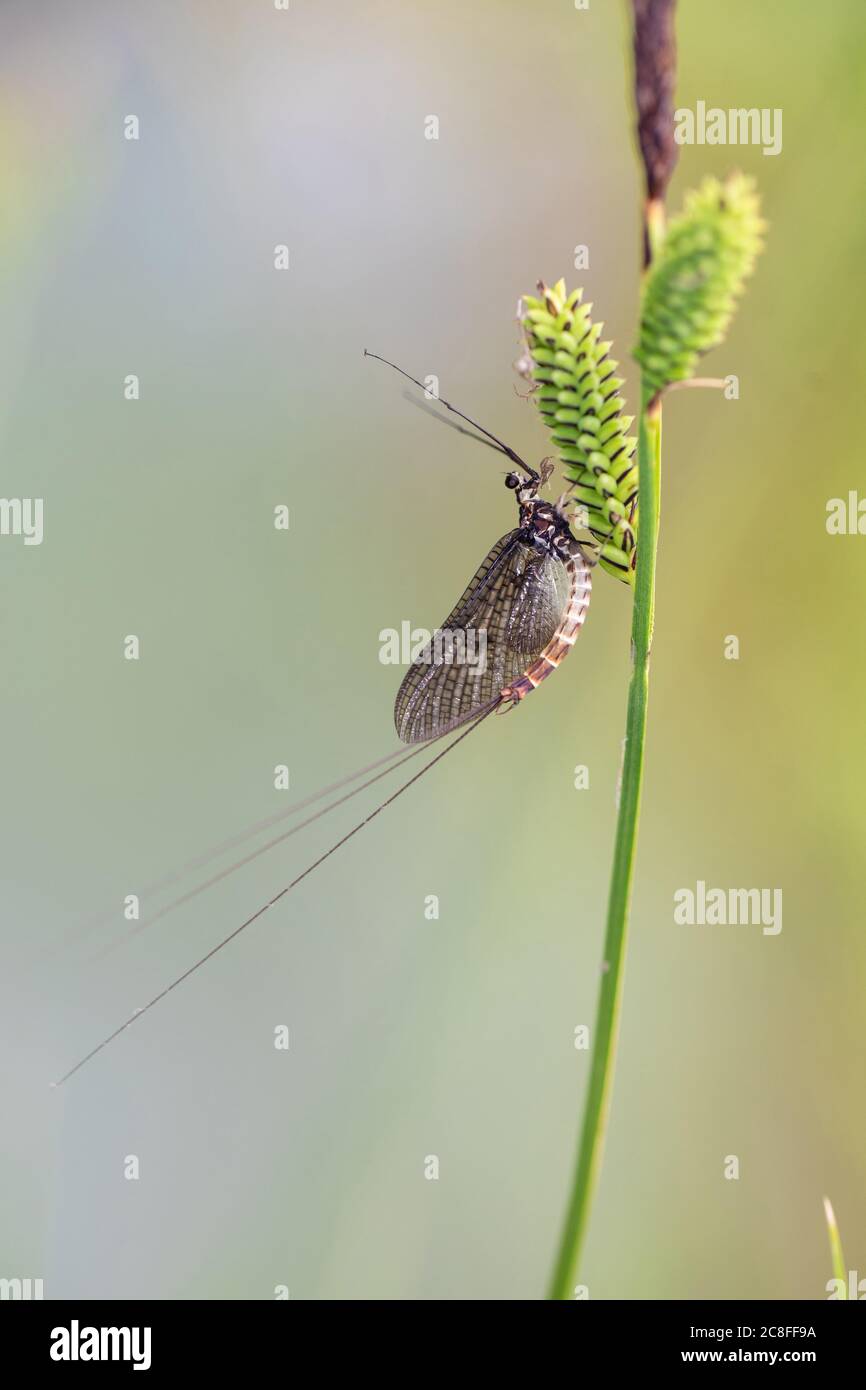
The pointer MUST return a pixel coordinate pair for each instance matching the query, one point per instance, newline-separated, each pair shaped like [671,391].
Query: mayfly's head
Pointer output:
[524,488]
[528,488]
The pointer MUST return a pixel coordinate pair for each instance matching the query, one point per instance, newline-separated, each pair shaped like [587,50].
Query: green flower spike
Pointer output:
[578,397]
[698,273]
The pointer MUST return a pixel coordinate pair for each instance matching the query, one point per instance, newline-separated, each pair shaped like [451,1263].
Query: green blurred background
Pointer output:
[411,1037]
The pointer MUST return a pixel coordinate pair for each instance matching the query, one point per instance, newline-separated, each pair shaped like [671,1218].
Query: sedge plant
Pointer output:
[694,271]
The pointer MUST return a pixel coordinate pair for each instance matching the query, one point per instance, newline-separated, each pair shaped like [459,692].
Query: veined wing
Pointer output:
[507,615]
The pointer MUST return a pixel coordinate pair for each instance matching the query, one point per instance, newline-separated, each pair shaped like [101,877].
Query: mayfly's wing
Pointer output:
[510,610]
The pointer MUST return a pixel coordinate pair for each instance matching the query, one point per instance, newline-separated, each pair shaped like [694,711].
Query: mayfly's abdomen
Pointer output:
[566,634]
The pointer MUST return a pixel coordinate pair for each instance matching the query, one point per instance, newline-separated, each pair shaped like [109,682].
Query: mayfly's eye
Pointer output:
[512,480]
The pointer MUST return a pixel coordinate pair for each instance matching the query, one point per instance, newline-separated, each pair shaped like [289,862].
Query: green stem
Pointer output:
[595,1113]
[838,1259]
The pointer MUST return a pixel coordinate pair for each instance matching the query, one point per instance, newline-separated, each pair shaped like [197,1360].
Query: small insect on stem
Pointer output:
[527,603]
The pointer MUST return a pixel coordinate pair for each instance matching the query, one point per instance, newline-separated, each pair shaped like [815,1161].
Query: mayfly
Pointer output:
[527,600]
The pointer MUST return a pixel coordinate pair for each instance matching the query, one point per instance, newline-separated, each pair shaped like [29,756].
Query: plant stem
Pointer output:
[597,1105]
[838,1259]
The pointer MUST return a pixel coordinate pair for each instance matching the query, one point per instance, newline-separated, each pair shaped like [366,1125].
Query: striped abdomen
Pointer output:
[565,636]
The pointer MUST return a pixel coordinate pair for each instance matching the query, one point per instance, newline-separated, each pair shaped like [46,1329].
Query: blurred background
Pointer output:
[412,1037]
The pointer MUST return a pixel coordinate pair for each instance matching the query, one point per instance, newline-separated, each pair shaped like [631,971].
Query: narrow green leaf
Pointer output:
[837,1258]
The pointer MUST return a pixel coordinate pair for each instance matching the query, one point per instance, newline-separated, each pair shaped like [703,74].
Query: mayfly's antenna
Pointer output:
[509,453]
[482,715]
[452,424]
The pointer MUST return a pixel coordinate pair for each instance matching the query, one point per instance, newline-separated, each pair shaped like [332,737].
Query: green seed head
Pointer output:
[699,271]
[577,392]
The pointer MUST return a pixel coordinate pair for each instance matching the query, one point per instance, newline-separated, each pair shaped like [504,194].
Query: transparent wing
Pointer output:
[510,610]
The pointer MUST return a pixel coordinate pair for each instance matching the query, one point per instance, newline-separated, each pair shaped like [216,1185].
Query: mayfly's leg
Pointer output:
[529,393]
[509,700]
